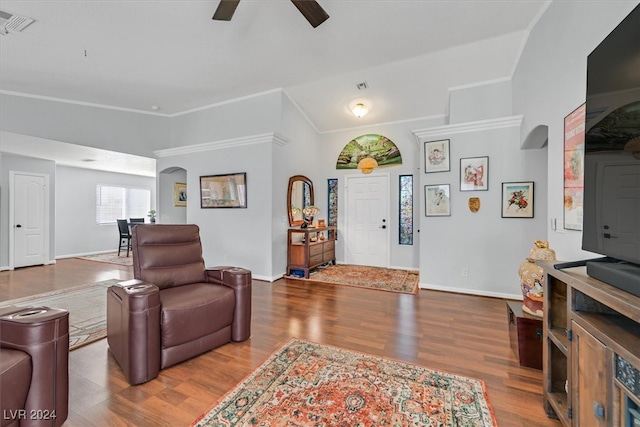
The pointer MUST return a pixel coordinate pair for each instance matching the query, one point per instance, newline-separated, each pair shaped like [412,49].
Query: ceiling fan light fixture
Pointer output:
[359,110]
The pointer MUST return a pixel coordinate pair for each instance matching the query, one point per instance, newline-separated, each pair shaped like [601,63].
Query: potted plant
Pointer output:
[152,216]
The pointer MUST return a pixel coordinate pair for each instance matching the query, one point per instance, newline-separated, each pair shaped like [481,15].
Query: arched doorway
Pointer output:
[171,199]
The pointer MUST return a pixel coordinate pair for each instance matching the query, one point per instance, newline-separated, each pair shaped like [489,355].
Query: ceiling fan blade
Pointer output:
[225,10]
[311,10]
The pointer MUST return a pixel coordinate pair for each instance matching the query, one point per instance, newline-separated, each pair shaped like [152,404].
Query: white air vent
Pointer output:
[13,23]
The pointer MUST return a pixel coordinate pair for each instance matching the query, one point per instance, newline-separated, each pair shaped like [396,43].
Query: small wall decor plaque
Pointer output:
[474,204]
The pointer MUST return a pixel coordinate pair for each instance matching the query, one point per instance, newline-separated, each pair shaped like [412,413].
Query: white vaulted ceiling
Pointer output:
[142,53]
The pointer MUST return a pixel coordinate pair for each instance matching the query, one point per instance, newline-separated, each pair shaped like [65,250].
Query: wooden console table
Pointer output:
[308,248]
[591,349]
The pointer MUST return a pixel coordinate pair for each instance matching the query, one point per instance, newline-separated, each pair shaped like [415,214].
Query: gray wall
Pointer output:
[75,213]
[110,129]
[331,144]
[480,252]
[168,212]
[550,82]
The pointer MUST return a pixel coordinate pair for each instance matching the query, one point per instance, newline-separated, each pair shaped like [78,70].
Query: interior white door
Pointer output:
[367,220]
[29,206]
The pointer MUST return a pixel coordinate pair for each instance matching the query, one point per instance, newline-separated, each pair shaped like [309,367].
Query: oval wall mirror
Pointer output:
[299,195]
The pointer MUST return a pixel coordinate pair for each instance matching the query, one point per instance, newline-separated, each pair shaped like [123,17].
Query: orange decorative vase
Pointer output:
[532,278]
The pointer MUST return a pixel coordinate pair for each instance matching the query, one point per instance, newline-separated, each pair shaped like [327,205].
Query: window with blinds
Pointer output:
[114,203]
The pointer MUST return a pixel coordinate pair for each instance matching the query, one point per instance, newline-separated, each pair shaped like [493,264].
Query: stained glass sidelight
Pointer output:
[406,210]
[333,201]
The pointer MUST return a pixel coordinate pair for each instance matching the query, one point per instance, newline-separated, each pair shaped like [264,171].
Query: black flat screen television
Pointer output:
[611,211]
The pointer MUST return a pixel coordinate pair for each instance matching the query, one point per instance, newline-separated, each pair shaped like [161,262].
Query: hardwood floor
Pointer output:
[461,334]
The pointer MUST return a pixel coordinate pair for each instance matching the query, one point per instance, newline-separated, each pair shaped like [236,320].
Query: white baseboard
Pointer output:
[482,293]
[266,278]
[84,254]
[7,268]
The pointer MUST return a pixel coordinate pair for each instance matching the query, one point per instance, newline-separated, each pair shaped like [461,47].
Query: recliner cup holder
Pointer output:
[137,288]
[28,313]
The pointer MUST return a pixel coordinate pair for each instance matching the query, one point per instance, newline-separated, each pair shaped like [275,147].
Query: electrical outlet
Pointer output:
[465,272]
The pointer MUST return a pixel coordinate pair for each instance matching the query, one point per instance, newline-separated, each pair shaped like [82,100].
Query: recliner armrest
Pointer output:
[43,333]
[133,328]
[239,279]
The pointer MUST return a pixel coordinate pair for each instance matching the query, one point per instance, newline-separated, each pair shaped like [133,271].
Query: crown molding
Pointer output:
[272,138]
[477,126]
[81,103]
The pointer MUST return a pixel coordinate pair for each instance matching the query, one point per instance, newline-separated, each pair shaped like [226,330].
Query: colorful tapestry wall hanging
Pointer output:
[378,147]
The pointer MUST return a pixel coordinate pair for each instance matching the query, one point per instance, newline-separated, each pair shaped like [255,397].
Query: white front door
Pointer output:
[29,210]
[367,220]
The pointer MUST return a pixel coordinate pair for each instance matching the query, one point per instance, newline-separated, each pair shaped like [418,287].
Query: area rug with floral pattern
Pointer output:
[383,279]
[111,257]
[310,384]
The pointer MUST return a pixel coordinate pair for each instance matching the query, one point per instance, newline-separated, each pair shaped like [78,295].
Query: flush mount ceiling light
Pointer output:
[359,110]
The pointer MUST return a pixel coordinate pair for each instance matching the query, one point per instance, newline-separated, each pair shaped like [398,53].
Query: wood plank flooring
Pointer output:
[461,334]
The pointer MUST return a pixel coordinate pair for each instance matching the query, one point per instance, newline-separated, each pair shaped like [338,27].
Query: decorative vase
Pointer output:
[308,212]
[532,277]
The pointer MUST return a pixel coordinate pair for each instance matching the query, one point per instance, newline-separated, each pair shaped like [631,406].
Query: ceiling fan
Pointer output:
[311,10]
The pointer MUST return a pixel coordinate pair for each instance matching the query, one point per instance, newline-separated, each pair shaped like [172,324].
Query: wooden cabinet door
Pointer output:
[589,379]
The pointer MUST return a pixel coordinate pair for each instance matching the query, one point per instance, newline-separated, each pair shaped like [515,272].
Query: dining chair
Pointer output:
[136,220]
[125,236]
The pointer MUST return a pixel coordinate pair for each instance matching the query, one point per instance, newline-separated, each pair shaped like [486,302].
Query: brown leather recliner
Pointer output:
[175,308]
[34,366]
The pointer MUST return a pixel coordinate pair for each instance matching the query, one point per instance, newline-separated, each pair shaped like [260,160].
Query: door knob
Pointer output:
[18,226]
[383,226]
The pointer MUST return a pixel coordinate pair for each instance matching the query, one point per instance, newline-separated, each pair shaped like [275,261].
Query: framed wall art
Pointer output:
[436,156]
[180,194]
[437,200]
[223,191]
[517,199]
[474,174]
[574,168]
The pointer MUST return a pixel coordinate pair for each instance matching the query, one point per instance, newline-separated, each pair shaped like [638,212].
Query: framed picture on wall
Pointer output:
[474,174]
[223,191]
[436,156]
[437,200]
[574,168]
[517,199]
[180,194]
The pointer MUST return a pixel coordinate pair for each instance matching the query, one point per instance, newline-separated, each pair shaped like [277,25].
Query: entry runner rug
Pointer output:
[87,307]
[111,258]
[309,384]
[384,279]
